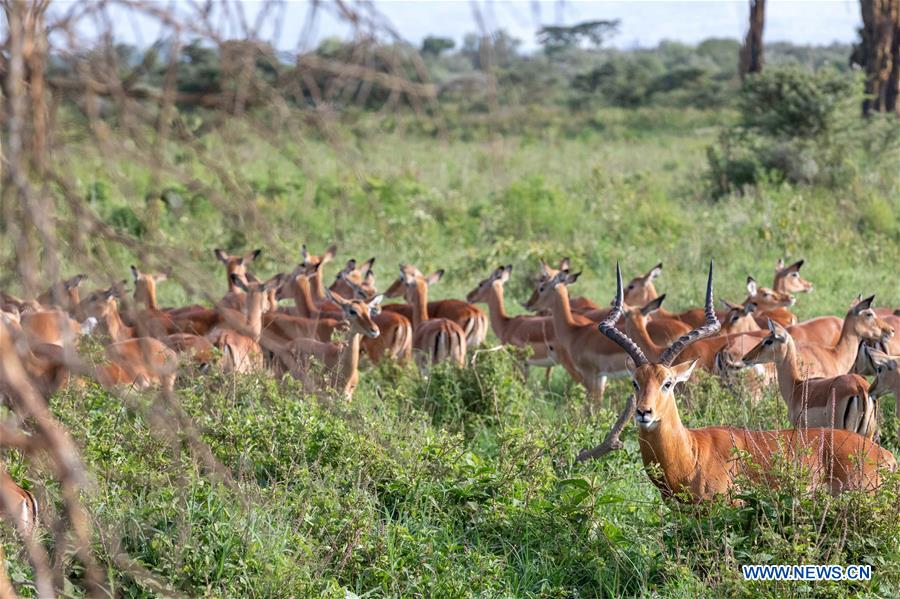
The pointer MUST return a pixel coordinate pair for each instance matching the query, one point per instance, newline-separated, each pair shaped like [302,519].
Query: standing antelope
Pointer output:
[239,333]
[434,339]
[235,269]
[699,464]
[839,402]
[472,320]
[395,340]
[535,332]
[341,360]
[594,357]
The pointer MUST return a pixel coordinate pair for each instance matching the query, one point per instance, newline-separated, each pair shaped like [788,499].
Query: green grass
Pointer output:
[462,484]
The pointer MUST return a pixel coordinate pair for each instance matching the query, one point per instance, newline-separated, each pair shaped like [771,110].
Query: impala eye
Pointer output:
[768,342]
[667,385]
[634,384]
[795,275]
[630,287]
[353,312]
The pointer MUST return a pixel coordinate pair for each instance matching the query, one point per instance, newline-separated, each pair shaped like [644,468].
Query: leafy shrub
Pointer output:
[791,129]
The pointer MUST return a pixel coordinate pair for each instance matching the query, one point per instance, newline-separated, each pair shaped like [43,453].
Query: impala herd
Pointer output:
[819,365]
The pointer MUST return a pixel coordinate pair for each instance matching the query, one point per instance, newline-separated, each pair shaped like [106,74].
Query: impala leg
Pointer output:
[547,374]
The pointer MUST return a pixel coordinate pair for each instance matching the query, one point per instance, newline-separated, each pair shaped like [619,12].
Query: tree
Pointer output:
[879,54]
[751,59]
[558,37]
[435,46]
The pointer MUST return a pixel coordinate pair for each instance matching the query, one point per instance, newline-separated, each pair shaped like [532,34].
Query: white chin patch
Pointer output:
[759,369]
[88,326]
[646,425]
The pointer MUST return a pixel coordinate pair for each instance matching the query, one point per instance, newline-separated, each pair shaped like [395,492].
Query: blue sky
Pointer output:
[643,22]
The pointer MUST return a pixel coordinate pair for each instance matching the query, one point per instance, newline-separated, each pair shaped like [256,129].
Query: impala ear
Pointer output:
[771,326]
[863,304]
[779,266]
[630,365]
[274,282]
[434,277]
[653,305]
[368,264]
[304,254]
[336,298]
[330,253]
[564,263]
[238,282]
[545,270]
[796,266]
[75,281]
[654,272]
[369,279]
[375,302]
[683,370]
[569,278]
[222,256]
[505,272]
[752,287]
[351,265]
[252,255]
[729,306]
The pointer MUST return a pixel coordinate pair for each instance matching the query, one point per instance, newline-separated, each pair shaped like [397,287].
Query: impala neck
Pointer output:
[636,328]
[563,322]
[420,304]
[303,297]
[254,315]
[115,328]
[348,363]
[497,311]
[318,287]
[847,346]
[789,371]
[149,297]
[670,446]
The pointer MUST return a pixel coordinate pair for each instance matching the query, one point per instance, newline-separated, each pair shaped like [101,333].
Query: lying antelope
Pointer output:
[434,339]
[699,464]
[472,320]
[834,402]
[340,360]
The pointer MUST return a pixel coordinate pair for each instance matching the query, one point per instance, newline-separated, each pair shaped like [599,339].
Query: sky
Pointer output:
[643,22]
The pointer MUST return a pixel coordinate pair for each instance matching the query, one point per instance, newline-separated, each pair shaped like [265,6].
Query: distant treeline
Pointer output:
[573,70]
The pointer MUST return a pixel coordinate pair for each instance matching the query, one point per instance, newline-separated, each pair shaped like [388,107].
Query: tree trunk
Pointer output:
[751,59]
[879,54]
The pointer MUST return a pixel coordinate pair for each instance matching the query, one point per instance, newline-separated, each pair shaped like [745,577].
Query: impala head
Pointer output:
[360,313]
[259,293]
[788,279]
[308,259]
[102,303]
[767,299]
[236,265]
[865,323]
[65,293]
[654,384]
[887,373]
[145,285]
[356,275]
[546,273]
[413,284]
[482,291]
[739,318]
[542,298]
[640,290]
[771,348]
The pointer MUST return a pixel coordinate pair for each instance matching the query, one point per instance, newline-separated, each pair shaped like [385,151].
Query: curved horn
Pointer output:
[608,326]
[710,327]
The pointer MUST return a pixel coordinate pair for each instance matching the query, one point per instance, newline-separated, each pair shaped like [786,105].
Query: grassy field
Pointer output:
[463,483]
